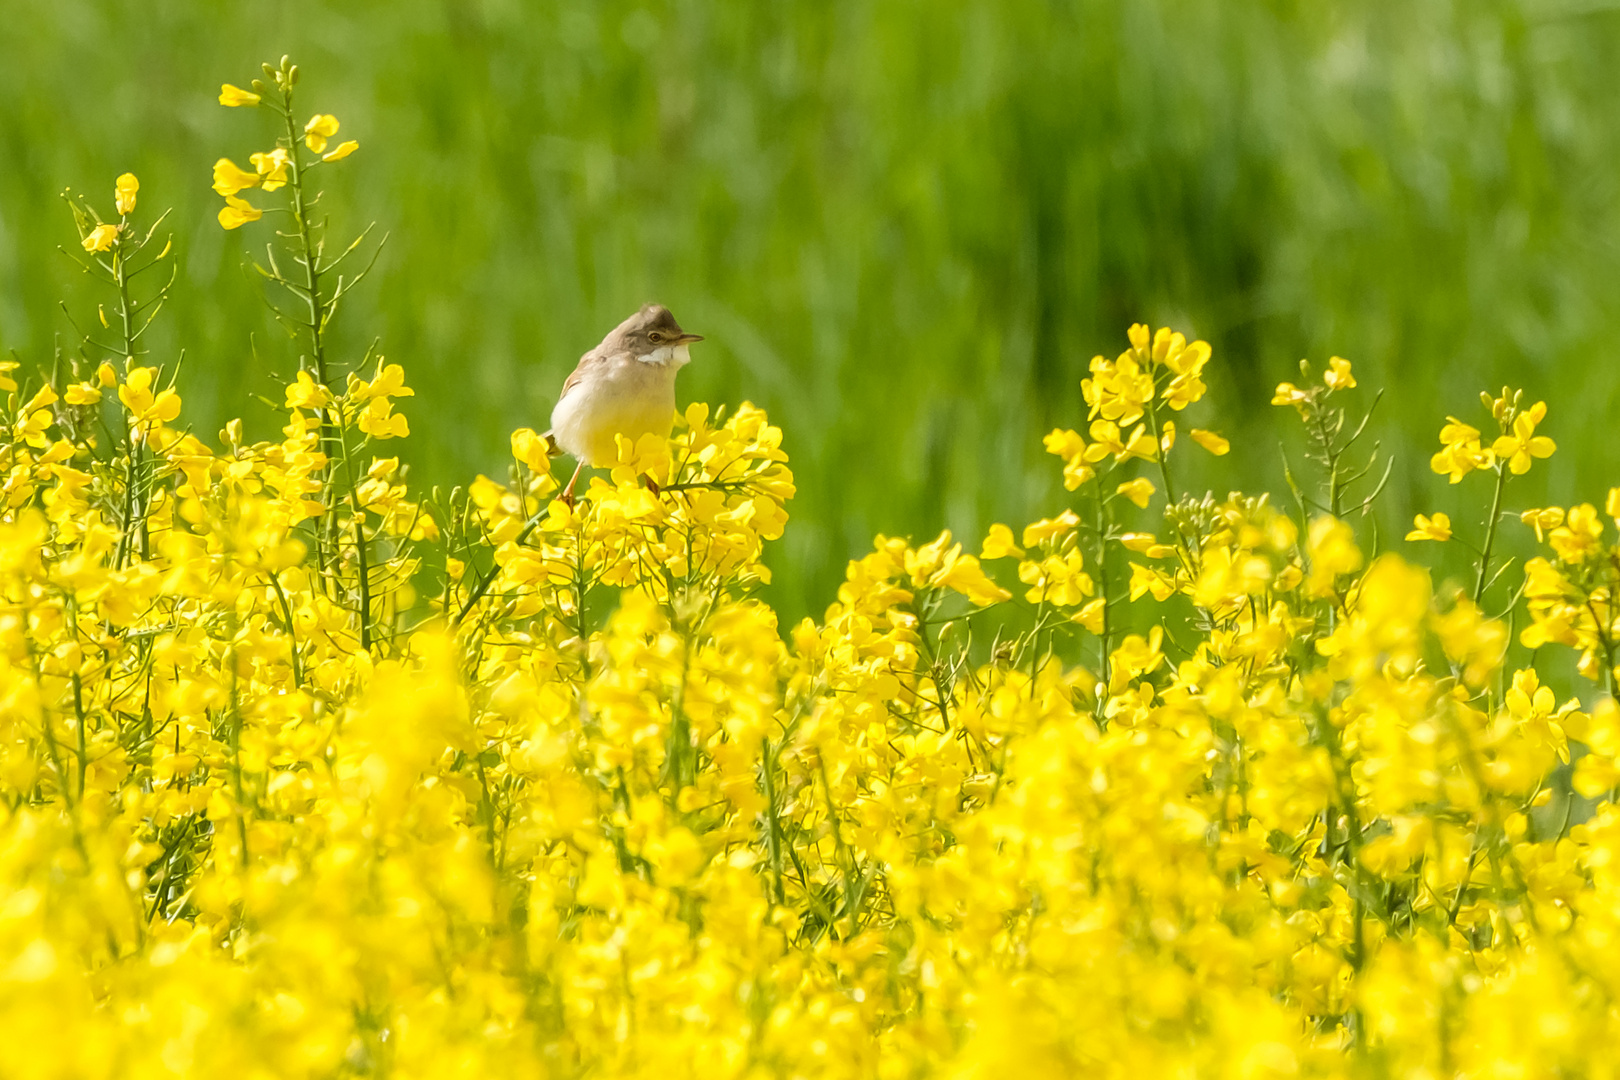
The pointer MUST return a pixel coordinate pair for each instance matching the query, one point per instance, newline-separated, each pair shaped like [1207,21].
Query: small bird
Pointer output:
[624,386]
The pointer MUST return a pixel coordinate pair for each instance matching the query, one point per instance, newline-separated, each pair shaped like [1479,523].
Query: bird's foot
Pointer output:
[651,484]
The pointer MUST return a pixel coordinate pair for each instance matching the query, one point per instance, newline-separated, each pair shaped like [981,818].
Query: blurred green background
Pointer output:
[905,227]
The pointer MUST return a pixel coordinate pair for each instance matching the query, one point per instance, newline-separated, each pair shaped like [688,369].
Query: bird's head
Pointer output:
[653,332]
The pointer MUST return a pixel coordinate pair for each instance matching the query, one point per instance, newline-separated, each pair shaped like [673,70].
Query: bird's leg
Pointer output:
[568,492]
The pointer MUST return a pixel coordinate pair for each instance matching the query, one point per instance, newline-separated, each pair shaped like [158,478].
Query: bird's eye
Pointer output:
[656,337]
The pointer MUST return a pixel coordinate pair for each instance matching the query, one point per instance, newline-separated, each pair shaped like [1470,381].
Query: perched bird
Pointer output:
[624,386]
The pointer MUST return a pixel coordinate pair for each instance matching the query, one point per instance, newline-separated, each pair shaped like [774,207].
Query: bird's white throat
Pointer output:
[677,356]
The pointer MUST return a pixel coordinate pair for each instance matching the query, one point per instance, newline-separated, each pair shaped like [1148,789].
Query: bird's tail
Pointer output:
[552,449]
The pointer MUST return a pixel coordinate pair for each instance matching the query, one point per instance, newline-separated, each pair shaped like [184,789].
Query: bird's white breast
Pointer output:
[624,395]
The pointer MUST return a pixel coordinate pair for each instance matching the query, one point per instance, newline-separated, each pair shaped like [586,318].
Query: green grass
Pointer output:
[904,227]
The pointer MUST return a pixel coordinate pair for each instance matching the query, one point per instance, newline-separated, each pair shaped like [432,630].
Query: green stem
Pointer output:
[489,578]
[292,631]
[846,857]
[773,835]
[1490,532]
[317,321]
[132,449]
[363,569]
[1102,526]
[1159,454]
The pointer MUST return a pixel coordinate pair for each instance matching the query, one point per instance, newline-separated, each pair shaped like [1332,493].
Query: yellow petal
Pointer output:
[1139,491]
[228,179]
[100,238]
[1210,441]
[321,126]
[124,192]
[238,212]
[344,150]
[235,96]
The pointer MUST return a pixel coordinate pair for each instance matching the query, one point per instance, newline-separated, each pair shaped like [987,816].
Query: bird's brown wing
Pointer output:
[586,362]
[574,379]
[590,360]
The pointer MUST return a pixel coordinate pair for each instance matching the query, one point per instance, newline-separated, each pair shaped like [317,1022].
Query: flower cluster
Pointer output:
[282,164]
[305,774]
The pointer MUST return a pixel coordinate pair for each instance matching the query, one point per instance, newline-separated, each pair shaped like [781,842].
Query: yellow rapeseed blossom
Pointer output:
[1210,441]
[124,193]
[1522,443]
[1338,375]
[318,130]
[999,544]
[100,238]
[229,179]
[305,775]
[236,96]
[1543,519]
[1437,527]
[238,212]
[1138,491]
[271,168]
[1461,452]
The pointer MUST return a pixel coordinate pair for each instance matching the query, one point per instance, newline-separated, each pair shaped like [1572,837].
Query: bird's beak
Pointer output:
[687,339]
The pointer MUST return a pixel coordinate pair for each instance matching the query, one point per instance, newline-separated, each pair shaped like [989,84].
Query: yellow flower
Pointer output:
[321,127]
[1338,376]
[1210,441]
[1048,528]
[1461,452]
[1289,394]
[1548,518]
[1437,527]
[228,179]
[1576,540]
[1107,439]
[1140,656]
[1523,444]
[1064,443]
[143,405]
[1174,352]
[235,96]
[1091,615]
[271,167]
[1146,580]
[82,394]
[529,448]
[1077,456]
[1141,338]
[1184,390]
[1138,491]
[238,212]
[1057,579]
[343,150]
[100,238]
[1611,505]
[379,420]
[962,574]
[1332,548]
[124,192]
[999,544]
[1120,389]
